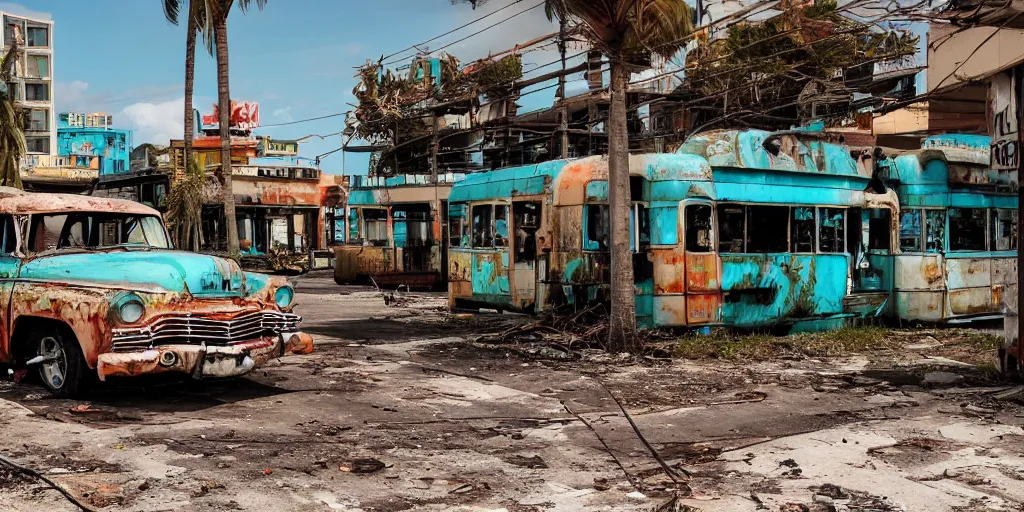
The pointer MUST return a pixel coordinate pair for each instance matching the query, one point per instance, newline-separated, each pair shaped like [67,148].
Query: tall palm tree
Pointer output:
[12,136]
[196,18]
[210,17]
[627,32]
[218,11]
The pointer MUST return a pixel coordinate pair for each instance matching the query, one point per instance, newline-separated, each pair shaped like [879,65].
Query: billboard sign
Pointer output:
[244,116]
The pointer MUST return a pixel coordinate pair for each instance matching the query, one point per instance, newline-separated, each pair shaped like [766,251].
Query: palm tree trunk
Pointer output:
[190,75]
[622,323]
[224,110]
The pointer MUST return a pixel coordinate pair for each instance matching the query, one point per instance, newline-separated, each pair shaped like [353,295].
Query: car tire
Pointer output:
[64,374]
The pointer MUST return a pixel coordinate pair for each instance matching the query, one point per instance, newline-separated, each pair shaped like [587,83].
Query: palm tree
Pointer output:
[627,32]
[218,14]
[211,18]
[196,18]
[12,136]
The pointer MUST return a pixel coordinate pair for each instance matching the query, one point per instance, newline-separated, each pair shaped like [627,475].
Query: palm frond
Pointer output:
[171,10]
[245,5]
[185,208]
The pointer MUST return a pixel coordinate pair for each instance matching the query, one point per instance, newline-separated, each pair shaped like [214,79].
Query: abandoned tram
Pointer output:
[747,229]
[394,233]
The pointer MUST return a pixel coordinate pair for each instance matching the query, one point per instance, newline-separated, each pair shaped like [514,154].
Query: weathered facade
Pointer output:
[278,206]
[93,135]
[33,86]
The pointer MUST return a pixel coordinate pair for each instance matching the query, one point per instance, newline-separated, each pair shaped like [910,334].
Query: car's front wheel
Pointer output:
[62,369]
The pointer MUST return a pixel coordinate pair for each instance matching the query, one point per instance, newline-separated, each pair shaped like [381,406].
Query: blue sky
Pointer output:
[296,58]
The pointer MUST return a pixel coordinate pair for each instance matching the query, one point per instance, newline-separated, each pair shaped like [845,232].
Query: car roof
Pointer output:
[14,201]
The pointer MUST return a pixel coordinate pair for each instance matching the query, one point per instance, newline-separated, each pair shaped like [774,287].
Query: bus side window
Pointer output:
[596,235]
[698,228]
[731,227]
[832,232]
[1004,229]
[457,225]
[910,230]
[967,229]
[482,228]
[935,230]
[526,219]
[766,229]
[802,229]
[500,225]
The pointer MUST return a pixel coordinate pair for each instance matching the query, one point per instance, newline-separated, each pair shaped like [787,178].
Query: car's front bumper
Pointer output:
[203,360]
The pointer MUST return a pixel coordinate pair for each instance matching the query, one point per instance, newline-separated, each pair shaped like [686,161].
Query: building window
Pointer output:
[967,229]
[766,228]
[38,144]
[832,232]
[38,36]
[1004,230]
[801,227]
[698,228]
[731,222]
[37,66]
[37,92]
[598,229]
[375,222]
[38,120]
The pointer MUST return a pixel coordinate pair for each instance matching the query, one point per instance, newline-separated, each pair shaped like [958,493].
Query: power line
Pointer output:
[303,120]
[474,34]
[456,29]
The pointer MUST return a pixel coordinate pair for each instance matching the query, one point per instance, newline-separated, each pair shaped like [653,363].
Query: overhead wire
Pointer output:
[452,31]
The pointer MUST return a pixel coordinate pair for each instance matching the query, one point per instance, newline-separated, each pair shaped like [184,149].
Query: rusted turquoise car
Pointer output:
[92,288]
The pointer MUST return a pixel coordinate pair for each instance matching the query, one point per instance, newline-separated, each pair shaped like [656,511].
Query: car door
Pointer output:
[10,264]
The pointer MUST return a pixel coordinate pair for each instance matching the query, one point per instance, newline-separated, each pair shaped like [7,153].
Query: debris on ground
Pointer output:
[368,465]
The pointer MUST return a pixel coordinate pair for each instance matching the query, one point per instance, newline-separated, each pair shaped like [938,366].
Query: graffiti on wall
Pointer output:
[1003,122]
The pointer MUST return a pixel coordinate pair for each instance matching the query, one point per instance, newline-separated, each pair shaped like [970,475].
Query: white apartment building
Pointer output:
[33,87]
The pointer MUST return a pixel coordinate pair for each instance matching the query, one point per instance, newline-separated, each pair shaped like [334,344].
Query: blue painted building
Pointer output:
[92,139]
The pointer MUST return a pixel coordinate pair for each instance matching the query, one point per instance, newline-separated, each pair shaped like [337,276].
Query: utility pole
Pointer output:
[563,108]
[433,149]
[1018,98]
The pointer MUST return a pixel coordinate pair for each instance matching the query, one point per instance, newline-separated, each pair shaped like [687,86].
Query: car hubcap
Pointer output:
[54,367]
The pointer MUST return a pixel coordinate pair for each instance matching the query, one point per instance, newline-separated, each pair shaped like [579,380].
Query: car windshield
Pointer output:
[89,230]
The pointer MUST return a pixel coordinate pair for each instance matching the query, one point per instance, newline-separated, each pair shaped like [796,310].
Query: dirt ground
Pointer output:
[459,426]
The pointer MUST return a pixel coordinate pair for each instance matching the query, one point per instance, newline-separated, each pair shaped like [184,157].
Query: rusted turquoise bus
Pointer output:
[957,231]
[739,228]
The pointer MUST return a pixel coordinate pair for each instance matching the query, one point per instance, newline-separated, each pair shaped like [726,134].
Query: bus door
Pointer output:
[687,274]
[526,221]
[871,261]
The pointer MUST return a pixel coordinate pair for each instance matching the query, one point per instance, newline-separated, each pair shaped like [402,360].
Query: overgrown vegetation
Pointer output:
[185,209]
[772,71]
[12,138]
[965,345]
[394,108]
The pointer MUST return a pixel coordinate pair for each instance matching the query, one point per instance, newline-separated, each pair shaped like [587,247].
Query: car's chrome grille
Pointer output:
[193,329]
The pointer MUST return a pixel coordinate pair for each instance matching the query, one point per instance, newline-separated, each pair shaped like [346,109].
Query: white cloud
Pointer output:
[71,96]
[282,115]
[21,10]
[155,123]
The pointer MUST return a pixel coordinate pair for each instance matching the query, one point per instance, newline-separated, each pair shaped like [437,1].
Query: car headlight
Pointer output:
[128,308]
[284,296]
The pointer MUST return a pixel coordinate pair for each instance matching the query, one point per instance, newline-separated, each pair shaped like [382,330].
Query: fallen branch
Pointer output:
[654,453]
[457,374]
[607,448]
[38,476]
